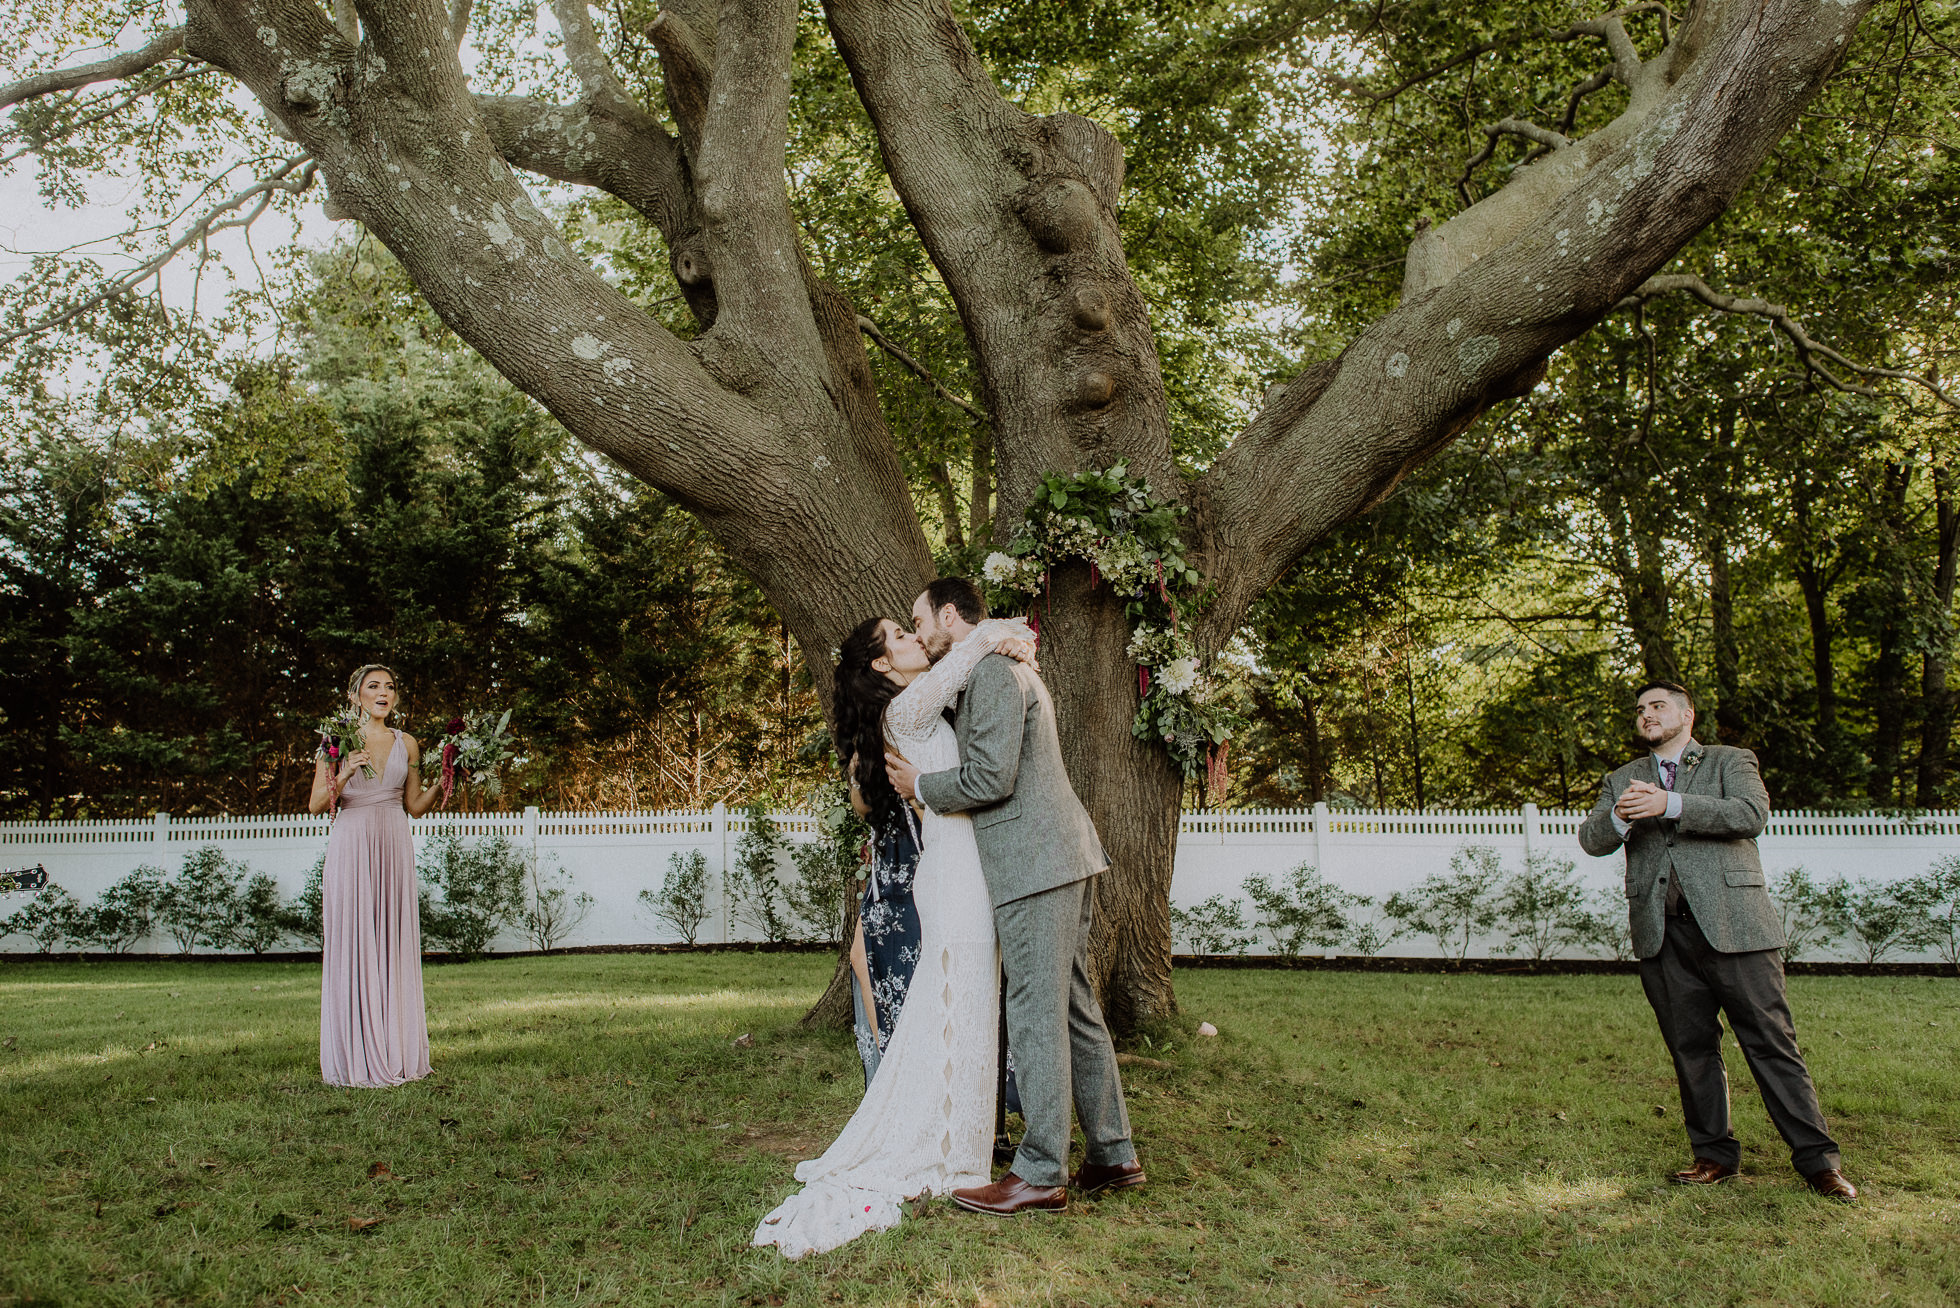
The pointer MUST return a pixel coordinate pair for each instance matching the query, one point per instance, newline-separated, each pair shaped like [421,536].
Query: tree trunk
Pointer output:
[1815,579]
[1636,560]
[1730,728]
[1130,787]
[1936,713]
[1823,667]
[1888,668]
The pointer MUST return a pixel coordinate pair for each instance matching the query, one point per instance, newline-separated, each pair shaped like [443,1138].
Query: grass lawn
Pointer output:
[593,1135]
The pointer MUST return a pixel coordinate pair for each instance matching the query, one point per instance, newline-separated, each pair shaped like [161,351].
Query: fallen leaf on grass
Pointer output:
[280,1222]
[8,1043]
[152,1099]
[363,1223]
[380,1171]
[1138,1060]
[208,1165]
[744,1041]
[530,1176]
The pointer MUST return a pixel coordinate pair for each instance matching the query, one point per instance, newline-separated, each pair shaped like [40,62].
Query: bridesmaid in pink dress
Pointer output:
[372,1028]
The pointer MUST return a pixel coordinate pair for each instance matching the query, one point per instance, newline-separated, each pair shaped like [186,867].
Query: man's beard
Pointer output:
[938,643]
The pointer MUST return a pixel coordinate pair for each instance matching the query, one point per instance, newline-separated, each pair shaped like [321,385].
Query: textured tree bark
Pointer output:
[767,424]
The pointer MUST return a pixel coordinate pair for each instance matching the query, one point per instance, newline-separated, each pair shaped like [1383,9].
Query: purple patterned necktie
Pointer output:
[1667,773]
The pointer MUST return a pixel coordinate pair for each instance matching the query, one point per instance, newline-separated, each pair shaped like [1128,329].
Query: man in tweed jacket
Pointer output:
[1708,936]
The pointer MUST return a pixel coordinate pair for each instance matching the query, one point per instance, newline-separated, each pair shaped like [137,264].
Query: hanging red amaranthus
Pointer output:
[450,749]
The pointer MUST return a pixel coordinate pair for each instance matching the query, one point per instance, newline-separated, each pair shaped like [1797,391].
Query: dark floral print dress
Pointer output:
[891,930]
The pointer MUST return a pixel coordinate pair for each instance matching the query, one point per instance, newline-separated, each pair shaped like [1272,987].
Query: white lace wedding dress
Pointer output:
[927,1119]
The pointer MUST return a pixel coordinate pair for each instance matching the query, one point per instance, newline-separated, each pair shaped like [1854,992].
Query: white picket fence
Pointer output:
[613,856]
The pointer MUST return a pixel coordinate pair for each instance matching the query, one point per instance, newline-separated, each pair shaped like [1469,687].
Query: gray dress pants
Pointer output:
[1688,983]
[1062,1050]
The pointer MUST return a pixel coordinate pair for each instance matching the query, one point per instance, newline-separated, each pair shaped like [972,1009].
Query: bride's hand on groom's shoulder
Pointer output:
[1023,650]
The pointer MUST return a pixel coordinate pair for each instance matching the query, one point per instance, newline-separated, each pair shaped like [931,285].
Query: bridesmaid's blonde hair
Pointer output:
[354,682]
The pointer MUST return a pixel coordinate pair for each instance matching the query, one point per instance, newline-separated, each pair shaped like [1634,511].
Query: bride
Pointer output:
[926,1123]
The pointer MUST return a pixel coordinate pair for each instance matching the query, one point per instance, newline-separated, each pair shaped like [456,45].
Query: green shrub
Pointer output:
[49,918]
[682,900]
[301,917]
[1814,916]
[1935,896]
[123,914]
[1303,909]
[478,891]
[201,904]
[1543,908]
[260,923]
[1882,920]
[753,883]
[819,896]
[1216,926]
[1451,909]
[555,910]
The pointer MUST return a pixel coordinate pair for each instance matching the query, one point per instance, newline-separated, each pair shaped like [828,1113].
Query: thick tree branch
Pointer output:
[917,369]
[741,196]
[294,176]
[1019,216]
[590,145]
[459,20]
[127,64]
[687,69]
[1810,351]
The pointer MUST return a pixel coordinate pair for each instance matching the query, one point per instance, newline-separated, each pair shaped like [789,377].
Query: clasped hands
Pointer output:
[1641,799]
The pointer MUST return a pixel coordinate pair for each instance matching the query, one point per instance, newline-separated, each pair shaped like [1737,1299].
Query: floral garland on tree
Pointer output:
[1128,537]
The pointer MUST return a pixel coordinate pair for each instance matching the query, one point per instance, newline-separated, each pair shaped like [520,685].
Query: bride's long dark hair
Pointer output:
[862,693]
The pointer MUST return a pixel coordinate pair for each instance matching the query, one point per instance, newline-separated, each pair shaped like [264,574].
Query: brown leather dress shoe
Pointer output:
[1011,1195]
[1094,1178]
[1706,1171]
[1831,1184]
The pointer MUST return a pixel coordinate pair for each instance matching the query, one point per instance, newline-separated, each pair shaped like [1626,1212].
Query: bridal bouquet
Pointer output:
[477,747]
[340,736]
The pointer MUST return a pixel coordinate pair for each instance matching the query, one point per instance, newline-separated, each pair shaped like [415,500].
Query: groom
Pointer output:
[1038,851]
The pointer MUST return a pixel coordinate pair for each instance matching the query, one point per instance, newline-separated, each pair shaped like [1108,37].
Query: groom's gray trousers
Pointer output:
[1055,1028]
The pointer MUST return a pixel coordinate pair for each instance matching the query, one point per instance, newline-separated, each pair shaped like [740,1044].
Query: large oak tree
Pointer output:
[766,423]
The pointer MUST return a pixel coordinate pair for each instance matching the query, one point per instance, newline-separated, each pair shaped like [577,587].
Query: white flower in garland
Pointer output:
[1179,676]
[999,568]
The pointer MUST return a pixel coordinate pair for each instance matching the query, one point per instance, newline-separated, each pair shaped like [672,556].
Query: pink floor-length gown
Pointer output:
[372,1028]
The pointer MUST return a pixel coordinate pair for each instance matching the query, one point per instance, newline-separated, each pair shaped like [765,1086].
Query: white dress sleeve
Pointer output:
[913,710]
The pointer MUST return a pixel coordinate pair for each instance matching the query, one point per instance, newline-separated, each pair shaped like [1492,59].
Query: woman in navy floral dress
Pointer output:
[888,930]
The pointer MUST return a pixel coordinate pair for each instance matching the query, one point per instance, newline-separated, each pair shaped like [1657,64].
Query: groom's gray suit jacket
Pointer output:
[1033,833]
[1710,850]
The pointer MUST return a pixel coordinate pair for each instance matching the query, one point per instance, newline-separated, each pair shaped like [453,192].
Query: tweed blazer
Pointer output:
[1710,850]
[1033,833]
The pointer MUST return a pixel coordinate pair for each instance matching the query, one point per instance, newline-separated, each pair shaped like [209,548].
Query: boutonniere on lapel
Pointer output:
[1688,761]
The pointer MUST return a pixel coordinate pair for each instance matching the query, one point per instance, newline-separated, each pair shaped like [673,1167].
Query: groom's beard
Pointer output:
[938,644]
